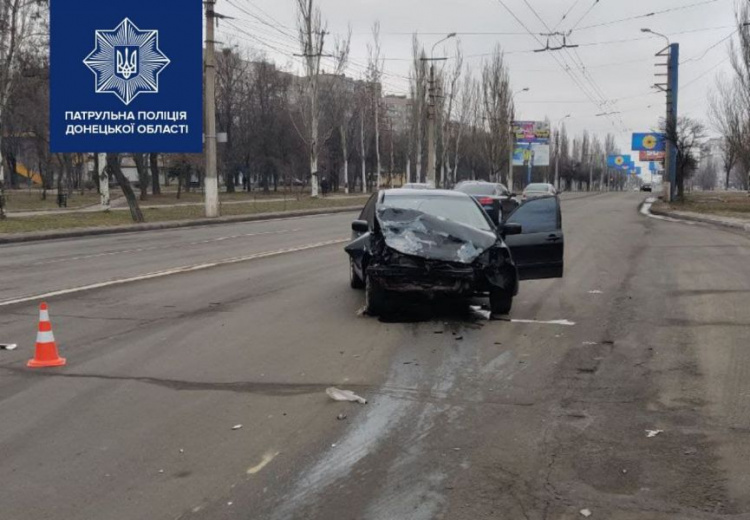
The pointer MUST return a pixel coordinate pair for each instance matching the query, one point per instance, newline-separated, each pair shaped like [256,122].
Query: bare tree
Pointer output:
[113,163]
[231,77]
[467,100]
[418,76]
[375,67]
[498,109]
[312,32]
[686,136]
[447,113]
[338,100]
[17,20]
[140,165]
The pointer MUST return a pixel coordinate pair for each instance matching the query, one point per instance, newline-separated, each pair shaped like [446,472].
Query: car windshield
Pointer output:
[476,189]
[458,209]
[537,187]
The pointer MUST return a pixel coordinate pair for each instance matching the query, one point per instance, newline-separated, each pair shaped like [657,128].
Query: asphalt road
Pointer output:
[466,419]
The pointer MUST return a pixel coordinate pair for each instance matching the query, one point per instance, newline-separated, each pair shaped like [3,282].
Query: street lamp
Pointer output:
[448,37]
[647,30]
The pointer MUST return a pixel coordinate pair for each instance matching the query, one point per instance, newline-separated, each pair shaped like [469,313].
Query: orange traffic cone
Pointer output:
[46,348]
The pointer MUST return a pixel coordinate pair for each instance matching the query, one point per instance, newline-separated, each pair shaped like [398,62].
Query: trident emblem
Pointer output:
[127,63]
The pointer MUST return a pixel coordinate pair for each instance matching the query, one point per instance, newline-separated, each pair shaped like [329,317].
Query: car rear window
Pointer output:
[458,209]
[477,189]
[537,187]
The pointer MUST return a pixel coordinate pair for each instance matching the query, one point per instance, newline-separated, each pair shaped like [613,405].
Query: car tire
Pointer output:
[375,298]
[354,280]
[501,301]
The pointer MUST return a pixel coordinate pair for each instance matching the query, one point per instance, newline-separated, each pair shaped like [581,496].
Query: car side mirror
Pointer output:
[509,229]
[360,226]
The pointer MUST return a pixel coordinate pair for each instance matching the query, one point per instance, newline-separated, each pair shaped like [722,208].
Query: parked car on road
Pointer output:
[418,186]
[647,187]
[496,199]
[540,189]
[439,242]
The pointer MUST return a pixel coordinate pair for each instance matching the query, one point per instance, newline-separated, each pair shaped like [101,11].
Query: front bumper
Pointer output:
[449,280]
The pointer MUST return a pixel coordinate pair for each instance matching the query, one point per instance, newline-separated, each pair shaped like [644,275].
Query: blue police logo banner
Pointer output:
[649,142]
[126,76]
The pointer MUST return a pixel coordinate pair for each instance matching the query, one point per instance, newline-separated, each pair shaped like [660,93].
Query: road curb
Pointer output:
[714,221]
[173,224]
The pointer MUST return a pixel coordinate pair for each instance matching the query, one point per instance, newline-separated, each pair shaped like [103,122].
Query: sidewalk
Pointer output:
[11,238]
[121,204]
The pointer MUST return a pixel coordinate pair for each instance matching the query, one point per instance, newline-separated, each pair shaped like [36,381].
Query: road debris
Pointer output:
[344,395]
[586,513]
[8,346]
[566,323]
[237,427]
[459,338]
[341,417]
[265,461]
[596,291]
[653,433]
[590,343]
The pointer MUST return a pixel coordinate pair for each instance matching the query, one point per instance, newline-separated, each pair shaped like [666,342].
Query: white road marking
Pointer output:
[566,323]
[265,461]
[596,292]
[154,248]
[170,272]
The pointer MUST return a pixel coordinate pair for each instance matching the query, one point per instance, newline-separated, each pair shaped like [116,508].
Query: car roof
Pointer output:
[448,194]
[539,185]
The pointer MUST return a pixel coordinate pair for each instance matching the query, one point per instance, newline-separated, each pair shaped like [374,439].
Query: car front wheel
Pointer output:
[374,297]
[501,301]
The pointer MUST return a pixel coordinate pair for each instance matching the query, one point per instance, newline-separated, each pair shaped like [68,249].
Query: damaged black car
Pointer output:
[438,242]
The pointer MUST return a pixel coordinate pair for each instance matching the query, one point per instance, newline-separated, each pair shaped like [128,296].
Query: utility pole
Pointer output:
[212,179]
[431,153]
[673,82]
[672,53]
[432,115]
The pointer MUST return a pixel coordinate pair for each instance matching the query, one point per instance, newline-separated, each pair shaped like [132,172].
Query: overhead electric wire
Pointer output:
[261,20]
[647,15]
[564,67]
[595,88]
[565,16]
[710,48]
[703,75]
[584,15]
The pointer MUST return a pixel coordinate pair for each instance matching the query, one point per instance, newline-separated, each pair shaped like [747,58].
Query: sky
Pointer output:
[614,63]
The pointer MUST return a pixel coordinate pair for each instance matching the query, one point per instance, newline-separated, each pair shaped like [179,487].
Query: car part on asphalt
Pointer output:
[344,395]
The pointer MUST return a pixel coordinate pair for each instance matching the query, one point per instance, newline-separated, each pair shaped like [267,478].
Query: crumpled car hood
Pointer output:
[412,232]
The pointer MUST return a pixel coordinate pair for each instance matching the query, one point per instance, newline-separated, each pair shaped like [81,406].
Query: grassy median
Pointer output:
[120,218]
[724,204]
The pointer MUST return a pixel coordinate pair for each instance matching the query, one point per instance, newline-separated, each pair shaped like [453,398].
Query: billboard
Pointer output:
[531,131]
[538,153]
[649,142]
[646,156]
[618,161]
[126,76]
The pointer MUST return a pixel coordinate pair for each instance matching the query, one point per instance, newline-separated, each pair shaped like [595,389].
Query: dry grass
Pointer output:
[727,204]
[31,200]
[120,218]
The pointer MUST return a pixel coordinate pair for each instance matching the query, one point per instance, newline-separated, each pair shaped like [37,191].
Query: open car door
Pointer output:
[538,251]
